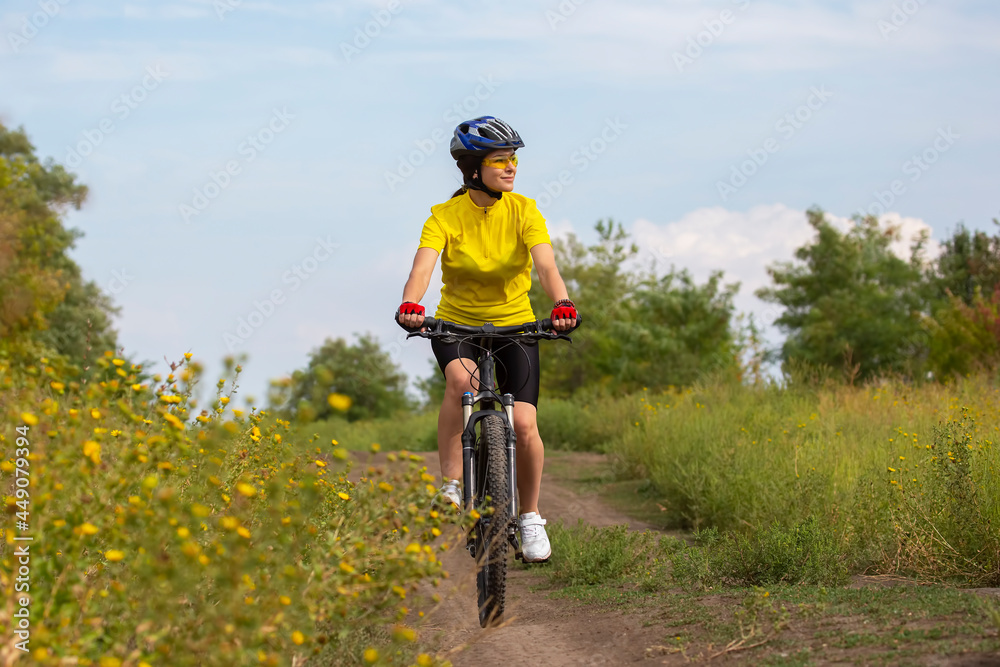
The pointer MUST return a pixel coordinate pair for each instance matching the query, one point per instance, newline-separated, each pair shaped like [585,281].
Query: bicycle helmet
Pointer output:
[482,135]
[474,139]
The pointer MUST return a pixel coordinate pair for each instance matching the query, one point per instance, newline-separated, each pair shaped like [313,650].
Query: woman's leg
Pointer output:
[530,456]
[457,382]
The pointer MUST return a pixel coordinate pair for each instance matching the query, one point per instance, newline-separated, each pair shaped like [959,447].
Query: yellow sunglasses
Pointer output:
[500,162]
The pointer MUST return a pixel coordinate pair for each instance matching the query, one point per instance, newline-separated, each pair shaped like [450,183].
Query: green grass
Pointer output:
[414,433]
[797,624]
[904,479]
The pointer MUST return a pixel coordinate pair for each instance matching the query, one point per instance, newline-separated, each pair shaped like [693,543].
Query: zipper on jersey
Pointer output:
[484,235]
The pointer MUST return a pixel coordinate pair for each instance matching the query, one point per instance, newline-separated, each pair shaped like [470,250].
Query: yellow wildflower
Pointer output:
[174,421]
[298,637]
[29,419]
[86,529]
[339,402]
[92,451]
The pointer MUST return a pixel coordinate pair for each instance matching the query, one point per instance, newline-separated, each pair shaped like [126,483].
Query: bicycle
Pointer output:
[489,457]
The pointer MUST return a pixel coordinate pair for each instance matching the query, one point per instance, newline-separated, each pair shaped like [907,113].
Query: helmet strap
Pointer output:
[477,184]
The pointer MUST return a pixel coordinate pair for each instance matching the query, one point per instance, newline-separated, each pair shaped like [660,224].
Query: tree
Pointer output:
[362,372]
[599,285]
[640,330]
[678,331]
[851,299]
[965,337]
[46,308]
[968,262]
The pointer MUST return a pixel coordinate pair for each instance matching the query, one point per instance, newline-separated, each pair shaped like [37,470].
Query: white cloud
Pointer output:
[743,244]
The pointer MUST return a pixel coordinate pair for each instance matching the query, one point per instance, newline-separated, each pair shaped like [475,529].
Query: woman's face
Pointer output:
[497,177]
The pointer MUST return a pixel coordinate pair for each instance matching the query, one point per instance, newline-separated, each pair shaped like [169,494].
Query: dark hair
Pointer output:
[468,165]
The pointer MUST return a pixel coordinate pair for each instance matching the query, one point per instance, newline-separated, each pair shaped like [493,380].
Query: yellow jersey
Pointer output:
[485,258]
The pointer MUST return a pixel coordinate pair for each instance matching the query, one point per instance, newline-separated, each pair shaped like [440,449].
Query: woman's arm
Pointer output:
[553,284]
[416,284]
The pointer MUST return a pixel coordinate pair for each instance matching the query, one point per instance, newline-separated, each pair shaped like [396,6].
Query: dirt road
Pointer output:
[538,630]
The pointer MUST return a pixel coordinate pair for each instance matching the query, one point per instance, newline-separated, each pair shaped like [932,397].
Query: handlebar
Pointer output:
[432,327]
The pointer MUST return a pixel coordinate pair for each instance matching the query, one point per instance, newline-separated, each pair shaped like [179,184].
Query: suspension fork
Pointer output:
[468,473]
[507,400]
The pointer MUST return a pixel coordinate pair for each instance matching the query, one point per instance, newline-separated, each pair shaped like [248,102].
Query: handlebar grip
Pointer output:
[546,324]
[428,322]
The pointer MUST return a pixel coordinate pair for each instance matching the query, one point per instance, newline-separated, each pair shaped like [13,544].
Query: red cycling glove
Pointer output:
[564,310]
[410,308]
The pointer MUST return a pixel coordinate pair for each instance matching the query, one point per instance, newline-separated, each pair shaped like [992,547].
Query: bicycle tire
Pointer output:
[491,542]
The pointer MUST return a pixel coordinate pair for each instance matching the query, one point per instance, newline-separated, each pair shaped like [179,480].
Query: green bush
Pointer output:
[584,424]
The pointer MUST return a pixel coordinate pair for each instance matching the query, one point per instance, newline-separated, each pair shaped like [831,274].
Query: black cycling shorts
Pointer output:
[516,364]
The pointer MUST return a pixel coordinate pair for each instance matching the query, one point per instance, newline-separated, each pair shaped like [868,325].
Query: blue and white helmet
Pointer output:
[482,135]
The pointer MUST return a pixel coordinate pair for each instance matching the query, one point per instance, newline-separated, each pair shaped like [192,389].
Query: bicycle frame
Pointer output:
[486,397]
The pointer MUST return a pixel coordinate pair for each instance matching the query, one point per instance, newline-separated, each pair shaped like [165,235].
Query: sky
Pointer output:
[259,172]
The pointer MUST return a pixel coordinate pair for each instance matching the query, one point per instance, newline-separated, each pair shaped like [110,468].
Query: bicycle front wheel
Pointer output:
[491,529]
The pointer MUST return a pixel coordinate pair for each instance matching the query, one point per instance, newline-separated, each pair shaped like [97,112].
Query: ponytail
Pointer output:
[468,165]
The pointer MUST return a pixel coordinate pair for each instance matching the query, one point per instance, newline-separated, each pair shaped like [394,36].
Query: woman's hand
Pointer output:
[411,315]
[564,315]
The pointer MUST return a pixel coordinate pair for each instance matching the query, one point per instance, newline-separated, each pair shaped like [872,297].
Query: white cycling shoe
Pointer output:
[450,494]
[535,547]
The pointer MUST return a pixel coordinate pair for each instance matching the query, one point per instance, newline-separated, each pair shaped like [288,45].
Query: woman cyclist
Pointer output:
[488,238]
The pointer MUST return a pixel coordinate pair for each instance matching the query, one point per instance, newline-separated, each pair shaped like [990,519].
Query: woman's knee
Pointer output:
[458,379]
[525,425]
